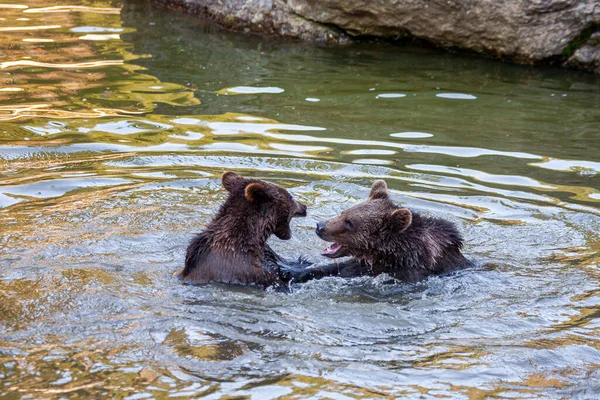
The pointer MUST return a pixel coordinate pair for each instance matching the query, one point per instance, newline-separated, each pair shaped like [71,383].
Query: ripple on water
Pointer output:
[390,96]
[579,166]
[96,29]
[73,8]
[88,64]
[126,127]
[233,128]
[371,161]
[252,90]
[59,187]
[14,6]
[98,37]
[511,180]
[411,135]
[456,96]
[6,201]
[361,152]
[189,135]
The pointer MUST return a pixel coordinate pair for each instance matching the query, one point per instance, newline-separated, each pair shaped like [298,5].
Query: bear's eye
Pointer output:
[348,224]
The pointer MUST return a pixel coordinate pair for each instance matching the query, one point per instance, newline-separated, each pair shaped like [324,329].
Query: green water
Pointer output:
[116,122]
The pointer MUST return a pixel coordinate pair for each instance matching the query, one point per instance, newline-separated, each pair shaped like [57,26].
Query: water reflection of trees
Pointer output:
[51,66]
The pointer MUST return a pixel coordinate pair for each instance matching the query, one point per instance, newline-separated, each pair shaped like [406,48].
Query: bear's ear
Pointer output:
[378,190]
[402,218]
[256,192]
[231,180]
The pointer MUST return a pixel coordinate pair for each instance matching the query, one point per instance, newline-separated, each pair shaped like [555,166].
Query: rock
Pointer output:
[273,17]
[523,31]
[587,56]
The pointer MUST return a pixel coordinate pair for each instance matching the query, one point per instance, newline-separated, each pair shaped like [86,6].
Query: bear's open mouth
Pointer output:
[333,251]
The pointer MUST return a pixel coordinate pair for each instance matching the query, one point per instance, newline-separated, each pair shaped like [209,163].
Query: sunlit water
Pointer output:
[116,121]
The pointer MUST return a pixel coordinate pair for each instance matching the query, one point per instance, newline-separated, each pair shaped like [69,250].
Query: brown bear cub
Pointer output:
[233,248]
[384,238]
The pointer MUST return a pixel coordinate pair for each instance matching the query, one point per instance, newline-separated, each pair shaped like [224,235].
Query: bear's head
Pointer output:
[268,207]
[363,228]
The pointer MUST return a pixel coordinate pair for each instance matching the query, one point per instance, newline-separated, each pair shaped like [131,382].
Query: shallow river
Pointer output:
[116,121]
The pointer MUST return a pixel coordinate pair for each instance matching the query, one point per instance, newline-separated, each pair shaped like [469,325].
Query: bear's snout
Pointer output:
[302,210]
[299,209]
[321,228]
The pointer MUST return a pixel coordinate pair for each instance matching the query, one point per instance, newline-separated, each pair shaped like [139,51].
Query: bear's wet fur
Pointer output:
[233,247]
[385,238]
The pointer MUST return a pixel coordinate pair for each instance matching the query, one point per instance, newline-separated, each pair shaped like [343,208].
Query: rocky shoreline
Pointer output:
[564,32]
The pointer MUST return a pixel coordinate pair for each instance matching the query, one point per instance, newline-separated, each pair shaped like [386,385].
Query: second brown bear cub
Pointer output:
[385,238]
[233,248]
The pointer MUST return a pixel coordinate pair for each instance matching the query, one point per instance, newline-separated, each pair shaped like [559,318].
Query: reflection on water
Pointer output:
[116,121]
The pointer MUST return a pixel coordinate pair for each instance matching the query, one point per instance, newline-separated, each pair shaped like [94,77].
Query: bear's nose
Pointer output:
[302,210]
[320,227]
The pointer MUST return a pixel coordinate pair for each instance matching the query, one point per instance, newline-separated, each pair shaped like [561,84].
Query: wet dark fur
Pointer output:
[233,248]
[389,239]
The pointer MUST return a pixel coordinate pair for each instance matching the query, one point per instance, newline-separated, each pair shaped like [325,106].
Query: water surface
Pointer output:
[116,122]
